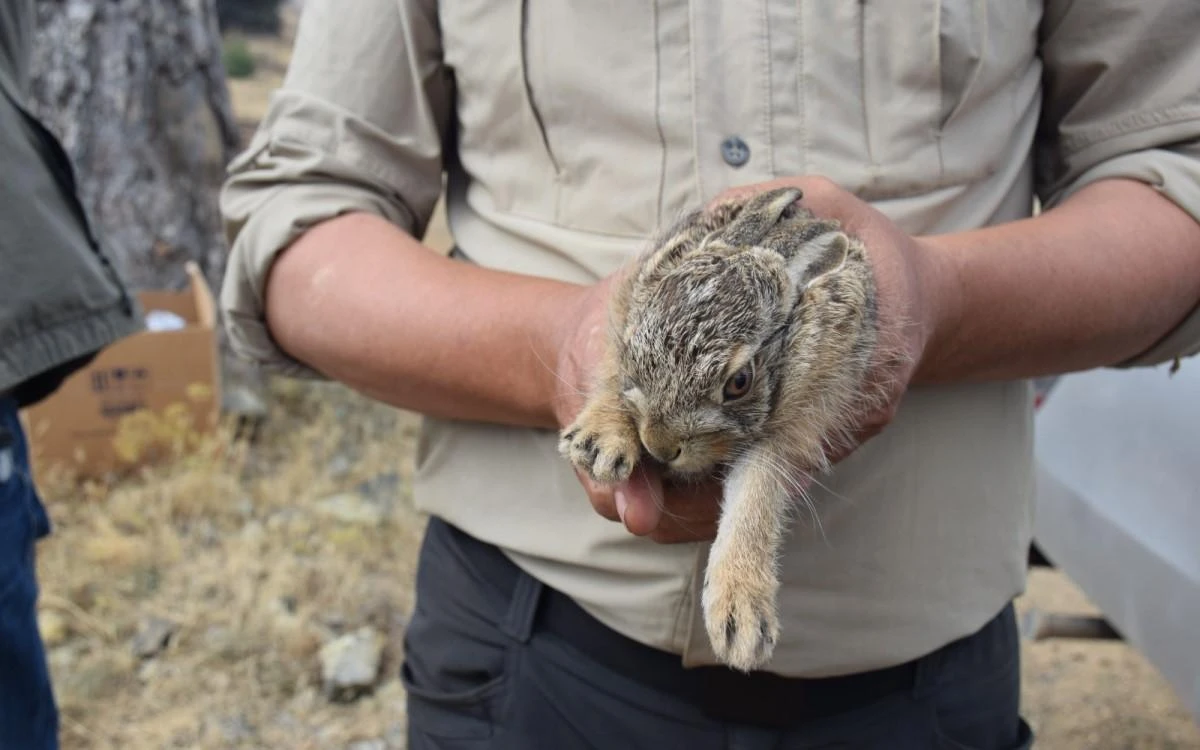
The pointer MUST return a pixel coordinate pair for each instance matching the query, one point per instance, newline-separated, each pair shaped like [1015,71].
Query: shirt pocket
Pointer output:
[591,71]
[937,82]
[557,109]
[499,148]
[986,55]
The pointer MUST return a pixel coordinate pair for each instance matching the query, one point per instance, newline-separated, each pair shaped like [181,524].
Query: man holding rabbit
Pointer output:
[553,612]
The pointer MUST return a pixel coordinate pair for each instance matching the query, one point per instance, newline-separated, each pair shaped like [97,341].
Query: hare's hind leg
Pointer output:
[742,579]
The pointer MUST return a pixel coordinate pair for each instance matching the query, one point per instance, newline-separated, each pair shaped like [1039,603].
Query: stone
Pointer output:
[207,533]
[63,658]
[397,736]
[350,508]
[152,637]
[148,670]
[235,729]
[243,402]
[382,488]
[350,664]
[245,506]
[252,532]
[53,627]
[339,466]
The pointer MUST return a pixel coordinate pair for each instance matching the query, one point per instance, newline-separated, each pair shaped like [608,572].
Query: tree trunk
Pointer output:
[136,92]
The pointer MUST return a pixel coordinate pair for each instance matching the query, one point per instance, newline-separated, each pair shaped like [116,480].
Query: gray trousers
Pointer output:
[495,659]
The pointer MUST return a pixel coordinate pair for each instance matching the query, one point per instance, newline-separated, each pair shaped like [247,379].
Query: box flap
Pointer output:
[202,297]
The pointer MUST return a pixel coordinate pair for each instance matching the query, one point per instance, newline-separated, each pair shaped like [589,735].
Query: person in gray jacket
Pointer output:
[61,302]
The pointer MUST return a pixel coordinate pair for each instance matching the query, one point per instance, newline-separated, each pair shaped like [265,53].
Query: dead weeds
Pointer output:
[226,545]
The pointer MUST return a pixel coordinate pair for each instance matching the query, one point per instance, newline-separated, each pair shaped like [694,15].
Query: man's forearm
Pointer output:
[364,303]
[1095,281]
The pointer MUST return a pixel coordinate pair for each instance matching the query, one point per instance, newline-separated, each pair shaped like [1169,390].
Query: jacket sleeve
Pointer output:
[1121,100]
[357,125]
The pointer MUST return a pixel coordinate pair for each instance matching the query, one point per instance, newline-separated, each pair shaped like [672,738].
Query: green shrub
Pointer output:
[238,60]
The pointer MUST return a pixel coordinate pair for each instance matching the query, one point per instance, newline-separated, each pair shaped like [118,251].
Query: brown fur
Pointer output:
[759,281]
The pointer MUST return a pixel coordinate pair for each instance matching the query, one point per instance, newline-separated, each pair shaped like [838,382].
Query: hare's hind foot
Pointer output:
[740,614]
[602,442]
[741,582]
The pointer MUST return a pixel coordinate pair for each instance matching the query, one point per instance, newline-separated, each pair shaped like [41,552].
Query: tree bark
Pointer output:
[136,92]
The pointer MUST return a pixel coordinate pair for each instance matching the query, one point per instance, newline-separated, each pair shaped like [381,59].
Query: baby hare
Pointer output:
[739,346]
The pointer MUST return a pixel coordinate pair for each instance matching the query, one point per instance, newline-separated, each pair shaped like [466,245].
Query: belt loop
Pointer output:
[928,671]
[522,608]
[926,674]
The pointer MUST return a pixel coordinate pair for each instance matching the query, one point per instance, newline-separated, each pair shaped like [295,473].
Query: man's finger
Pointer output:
[601,497]
[679,530]
[690,513]
[639,502]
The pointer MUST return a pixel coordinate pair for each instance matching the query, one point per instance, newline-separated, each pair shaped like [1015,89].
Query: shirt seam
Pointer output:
[1133,122]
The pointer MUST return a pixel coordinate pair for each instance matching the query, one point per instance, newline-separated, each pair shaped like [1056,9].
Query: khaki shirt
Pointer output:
[570,133]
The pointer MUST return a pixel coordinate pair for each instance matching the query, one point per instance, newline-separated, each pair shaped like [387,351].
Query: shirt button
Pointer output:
[735,151]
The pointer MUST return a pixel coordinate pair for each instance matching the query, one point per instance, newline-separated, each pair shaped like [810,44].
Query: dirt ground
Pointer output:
[249,558]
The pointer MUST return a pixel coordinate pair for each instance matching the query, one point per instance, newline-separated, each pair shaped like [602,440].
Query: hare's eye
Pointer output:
[739,383]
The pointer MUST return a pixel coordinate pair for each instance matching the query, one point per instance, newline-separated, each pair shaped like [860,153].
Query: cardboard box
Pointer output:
[150,395]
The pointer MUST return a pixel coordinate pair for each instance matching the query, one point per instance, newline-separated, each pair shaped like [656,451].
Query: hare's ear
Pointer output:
[760,214]
[670,246]
[825,253]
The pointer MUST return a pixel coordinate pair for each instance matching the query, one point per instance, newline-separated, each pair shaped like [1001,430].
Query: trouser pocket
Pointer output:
[975,688]
[461,647]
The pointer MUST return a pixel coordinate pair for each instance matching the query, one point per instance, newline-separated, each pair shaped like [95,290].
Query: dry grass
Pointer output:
[228,544]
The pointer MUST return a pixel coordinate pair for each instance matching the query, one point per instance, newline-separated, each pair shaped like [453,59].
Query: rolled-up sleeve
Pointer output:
[356,126]
[1122,100]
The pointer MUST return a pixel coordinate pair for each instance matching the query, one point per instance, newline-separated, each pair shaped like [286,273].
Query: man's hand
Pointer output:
[908,287]
[650,507]
[914,291]
[1092,282]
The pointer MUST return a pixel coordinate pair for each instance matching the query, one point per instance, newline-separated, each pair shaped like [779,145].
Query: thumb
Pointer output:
[637,501]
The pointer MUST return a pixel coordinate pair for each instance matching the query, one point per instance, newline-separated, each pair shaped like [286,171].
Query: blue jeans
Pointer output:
[28,712]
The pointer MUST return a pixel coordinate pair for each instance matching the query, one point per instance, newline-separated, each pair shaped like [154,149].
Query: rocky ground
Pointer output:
[254,594]
[247,596]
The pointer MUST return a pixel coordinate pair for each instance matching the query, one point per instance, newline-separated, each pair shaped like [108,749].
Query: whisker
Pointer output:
[574,389]
[787,476]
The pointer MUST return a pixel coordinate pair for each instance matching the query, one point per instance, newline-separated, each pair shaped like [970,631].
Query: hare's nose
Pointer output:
[661,443]
[665,454]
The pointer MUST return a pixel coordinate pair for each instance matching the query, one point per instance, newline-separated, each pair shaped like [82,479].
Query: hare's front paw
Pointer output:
[739,614]
[603,443]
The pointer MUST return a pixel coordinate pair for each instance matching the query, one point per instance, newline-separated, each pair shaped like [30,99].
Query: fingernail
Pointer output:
[619,498]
